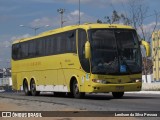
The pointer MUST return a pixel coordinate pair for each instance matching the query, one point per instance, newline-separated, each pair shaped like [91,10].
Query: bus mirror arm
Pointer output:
[147,47]
[87,50]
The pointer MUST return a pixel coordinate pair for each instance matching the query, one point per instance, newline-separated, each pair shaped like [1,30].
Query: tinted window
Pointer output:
[71,42]
[40,47]
[24,50]
[31,48]
[66,42]
[15,51]
[50,45]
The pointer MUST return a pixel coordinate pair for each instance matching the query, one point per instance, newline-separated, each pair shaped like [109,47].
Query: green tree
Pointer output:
[99,21]
[115,17]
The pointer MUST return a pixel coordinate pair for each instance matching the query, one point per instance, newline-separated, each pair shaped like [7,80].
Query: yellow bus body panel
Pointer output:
[54,72]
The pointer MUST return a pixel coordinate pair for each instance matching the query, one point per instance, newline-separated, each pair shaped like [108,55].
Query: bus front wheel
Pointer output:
[76,92]
[33,89]
[117,94]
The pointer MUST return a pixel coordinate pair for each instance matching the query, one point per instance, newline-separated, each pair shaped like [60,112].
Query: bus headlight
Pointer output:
[100,81]
[136,80]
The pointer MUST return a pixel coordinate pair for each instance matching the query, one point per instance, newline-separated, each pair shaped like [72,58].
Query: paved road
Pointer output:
[98,102]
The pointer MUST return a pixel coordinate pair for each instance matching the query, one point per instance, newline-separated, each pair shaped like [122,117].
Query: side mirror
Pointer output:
[147,47]
[87,50]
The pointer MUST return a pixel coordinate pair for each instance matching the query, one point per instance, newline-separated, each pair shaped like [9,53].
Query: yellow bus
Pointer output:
[79,59]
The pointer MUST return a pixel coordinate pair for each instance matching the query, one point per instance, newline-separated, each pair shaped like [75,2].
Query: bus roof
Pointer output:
[85,26]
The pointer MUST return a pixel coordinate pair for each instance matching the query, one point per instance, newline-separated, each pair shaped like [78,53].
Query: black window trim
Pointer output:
[18,45]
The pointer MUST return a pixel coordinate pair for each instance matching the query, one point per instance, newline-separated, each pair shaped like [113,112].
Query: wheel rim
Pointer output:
[33,87]
[76,89]
[25,87]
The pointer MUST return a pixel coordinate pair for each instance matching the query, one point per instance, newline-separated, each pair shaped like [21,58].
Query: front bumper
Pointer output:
[125,87]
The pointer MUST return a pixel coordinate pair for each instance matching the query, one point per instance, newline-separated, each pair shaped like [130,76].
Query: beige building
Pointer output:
[156,55]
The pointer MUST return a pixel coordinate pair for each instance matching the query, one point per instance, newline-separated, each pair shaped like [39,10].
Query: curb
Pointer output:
[145,92]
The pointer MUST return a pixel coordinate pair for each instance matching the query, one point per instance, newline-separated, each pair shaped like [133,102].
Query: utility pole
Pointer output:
[79,13]
[61,11]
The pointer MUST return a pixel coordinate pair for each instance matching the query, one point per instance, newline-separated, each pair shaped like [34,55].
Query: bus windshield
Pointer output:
[115,51]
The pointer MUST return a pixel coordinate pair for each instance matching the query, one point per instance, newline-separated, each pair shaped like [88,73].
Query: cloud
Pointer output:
[150,26]
[19,37]
[88,2]
[70,18]
[7,42]
[76,13]
[118,1]
[148,29]
[62,1]
[76,1]
[39,22]
[5,48]
[9,9]
[73,18]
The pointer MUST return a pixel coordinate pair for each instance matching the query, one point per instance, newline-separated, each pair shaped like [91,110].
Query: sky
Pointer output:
[39,13]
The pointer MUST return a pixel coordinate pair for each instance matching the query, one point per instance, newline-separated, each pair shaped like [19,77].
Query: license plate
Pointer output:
[119,87]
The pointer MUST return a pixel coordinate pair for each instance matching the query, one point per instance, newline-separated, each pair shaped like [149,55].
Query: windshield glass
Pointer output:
[115,51]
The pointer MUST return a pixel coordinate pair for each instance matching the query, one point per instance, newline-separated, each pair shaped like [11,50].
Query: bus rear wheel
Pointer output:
[25,88]
[117,94]
[76,92]
[33,89]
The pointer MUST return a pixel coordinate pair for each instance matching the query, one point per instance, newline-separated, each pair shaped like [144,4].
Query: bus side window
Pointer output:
[19,51]
[51,45]
[15,51]
[63,45]
[24,50]
[54,45]
[71,42]
[31,49]
[58,39]
[48,46]
[40,47]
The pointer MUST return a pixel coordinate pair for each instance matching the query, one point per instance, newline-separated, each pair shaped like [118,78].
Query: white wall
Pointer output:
[6,81]
[149,78]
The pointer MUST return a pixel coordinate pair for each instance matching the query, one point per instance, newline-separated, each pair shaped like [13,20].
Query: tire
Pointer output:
[25,88]
[70,95]
[75,91]
[33,89]
[117,94]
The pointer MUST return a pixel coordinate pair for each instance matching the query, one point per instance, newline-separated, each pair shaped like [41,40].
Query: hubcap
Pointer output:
[33,88]
[25,88]
[76,89]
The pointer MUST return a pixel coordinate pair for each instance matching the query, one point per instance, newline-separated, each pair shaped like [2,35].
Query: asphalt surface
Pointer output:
[96,102]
